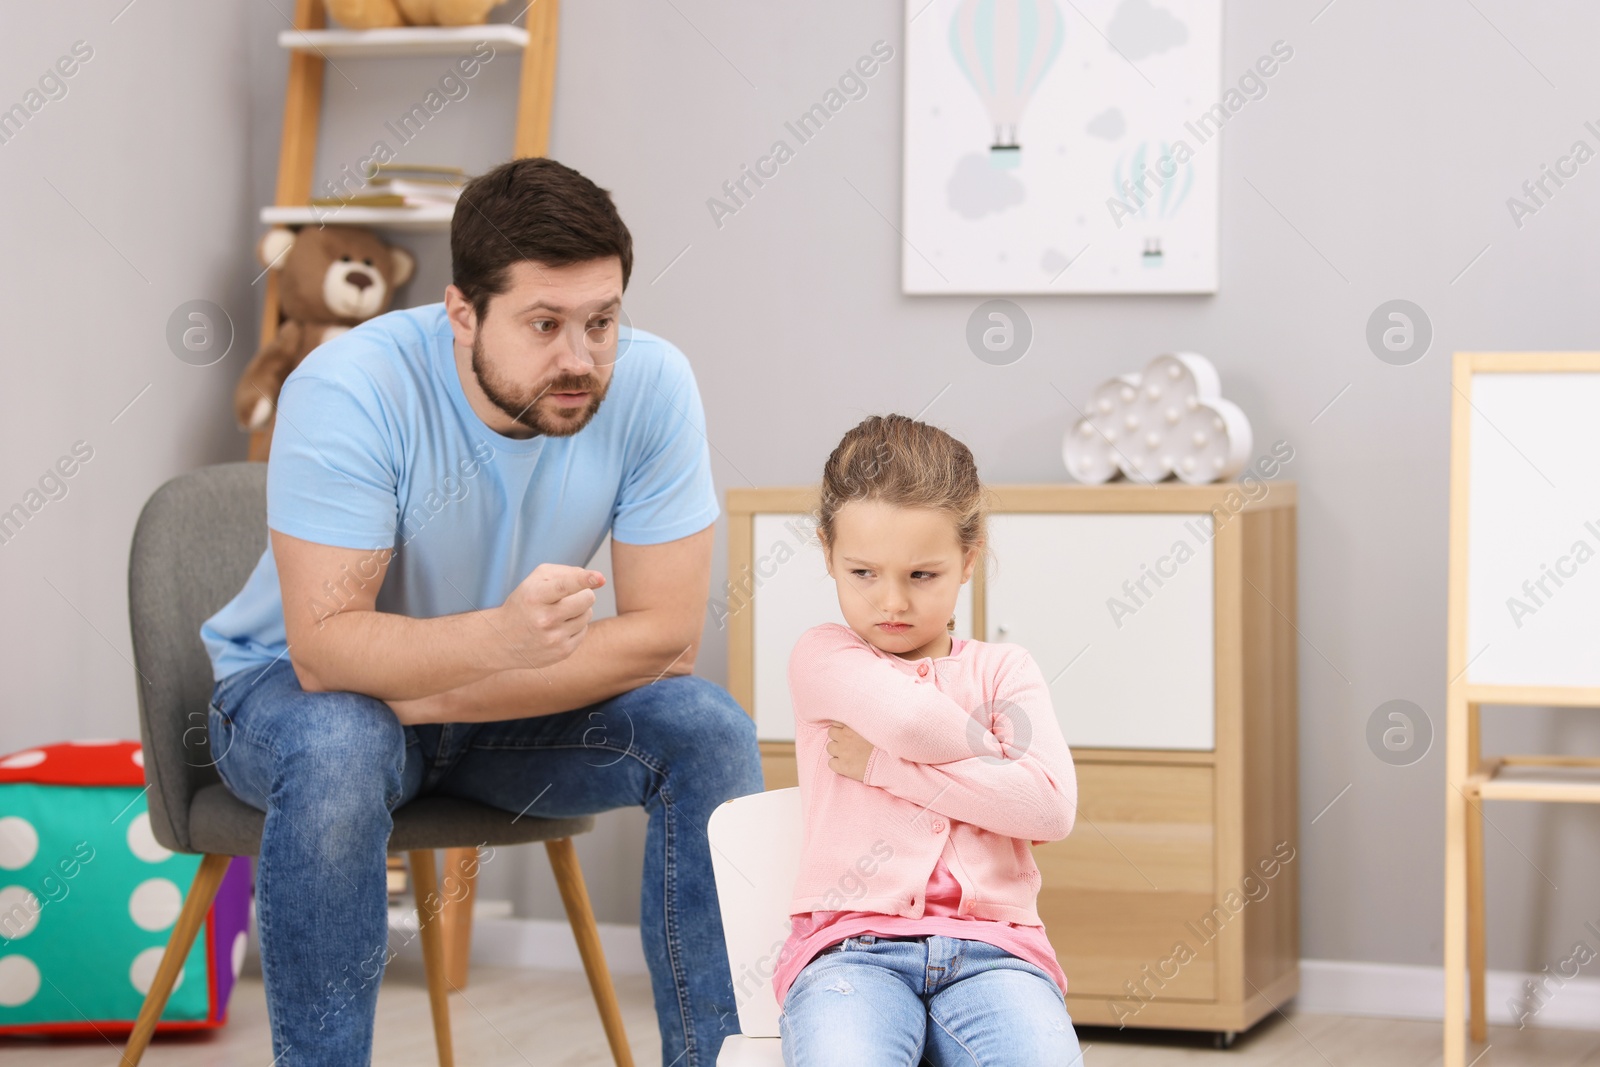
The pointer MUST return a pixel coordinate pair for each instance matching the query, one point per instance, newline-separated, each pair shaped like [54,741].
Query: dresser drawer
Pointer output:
[1136,877]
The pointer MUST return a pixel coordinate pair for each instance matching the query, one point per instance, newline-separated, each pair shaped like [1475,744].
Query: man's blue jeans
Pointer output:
[935,1000]
[329,768]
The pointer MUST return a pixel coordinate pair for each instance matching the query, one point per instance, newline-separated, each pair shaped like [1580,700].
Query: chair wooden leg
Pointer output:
[202,891]
[1476,952]
[575,895]
[425,879]
[460,890]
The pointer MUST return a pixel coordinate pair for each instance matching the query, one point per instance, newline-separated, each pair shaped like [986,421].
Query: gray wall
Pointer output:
[119,201]
[1377,167]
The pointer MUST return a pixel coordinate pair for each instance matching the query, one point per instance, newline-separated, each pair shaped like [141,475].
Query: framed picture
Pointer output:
[1063,146]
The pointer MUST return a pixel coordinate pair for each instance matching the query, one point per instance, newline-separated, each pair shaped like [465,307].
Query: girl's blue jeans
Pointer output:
[329,768]
[943,1001]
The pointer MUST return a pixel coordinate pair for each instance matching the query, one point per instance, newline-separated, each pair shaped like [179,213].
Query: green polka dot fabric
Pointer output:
[88,899]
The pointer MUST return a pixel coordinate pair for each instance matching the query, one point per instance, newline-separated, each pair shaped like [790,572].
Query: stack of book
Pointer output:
[403,185]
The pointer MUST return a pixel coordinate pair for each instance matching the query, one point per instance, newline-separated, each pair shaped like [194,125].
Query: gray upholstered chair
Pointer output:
[196,542]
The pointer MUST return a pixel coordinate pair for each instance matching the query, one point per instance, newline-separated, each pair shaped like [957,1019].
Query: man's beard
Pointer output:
[522,405]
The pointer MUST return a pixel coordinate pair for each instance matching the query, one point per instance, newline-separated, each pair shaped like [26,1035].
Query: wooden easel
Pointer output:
[302,109]
[1470,778]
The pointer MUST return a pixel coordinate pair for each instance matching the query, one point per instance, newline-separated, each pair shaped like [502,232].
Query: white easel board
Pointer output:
[1525,523]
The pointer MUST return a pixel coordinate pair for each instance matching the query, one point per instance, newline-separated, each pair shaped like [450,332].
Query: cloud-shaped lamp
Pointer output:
[1169,419]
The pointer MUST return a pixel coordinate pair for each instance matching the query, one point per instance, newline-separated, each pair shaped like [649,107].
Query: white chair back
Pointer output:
[755,853]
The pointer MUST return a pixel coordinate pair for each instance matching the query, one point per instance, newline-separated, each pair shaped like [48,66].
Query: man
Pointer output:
[420,620]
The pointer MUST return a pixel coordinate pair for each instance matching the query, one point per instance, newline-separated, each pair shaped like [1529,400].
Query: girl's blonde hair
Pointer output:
[905,463]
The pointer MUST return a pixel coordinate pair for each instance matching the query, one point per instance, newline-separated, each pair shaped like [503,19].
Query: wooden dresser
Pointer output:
[1164,618]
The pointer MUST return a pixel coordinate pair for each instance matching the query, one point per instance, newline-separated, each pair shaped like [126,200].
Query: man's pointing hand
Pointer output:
[546,616]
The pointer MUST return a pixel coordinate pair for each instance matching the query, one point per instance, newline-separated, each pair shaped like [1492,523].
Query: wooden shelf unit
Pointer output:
[1164,835]
[310,43]
[425,218]
[403,40]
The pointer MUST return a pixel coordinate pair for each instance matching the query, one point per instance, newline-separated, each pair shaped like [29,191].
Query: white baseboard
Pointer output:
[501,940]
[1397,991]
[548,944]
[1327,987]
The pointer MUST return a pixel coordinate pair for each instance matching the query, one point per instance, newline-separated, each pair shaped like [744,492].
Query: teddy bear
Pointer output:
[380,14]
[330,279]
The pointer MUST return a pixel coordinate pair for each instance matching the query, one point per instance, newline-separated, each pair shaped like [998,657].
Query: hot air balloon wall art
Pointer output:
[1028,122]
[1152,186]
[1004,47]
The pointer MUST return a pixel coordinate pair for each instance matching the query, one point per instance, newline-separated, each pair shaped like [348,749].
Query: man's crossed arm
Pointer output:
[536,654]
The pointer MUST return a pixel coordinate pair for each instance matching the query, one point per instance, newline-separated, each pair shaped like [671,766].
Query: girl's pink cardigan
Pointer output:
[968,763]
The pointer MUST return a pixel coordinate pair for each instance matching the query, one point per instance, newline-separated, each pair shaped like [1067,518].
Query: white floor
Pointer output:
[518,1018]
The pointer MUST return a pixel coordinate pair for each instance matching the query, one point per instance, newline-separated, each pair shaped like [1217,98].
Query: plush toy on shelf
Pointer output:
[382,14]
[330,279]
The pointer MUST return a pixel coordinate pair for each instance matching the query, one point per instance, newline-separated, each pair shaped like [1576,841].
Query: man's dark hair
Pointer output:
[531,209]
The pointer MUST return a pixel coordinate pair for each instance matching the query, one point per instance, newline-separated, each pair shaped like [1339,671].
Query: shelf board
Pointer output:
[429,217]
[404,40]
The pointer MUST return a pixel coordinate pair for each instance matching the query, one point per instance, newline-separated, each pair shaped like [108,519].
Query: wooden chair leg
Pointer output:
[575,895]
[425,879]
[202,891]
[1476,951]
[460,890]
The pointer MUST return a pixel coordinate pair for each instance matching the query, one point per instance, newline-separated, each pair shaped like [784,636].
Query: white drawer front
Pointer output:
[790,592]
[1131,665]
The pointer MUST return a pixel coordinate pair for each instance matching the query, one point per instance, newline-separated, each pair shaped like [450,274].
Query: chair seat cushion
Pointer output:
[222,823]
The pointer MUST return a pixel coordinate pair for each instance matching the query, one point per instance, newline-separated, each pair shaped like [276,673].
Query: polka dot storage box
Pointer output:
[88,899]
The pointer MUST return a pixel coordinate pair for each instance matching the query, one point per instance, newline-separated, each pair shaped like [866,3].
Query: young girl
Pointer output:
[927,764]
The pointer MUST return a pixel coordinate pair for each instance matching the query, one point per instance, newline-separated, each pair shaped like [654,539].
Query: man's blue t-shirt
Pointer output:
[376,447]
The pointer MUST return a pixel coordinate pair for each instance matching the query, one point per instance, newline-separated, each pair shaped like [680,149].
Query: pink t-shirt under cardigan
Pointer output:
[812,933]
[968,766]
